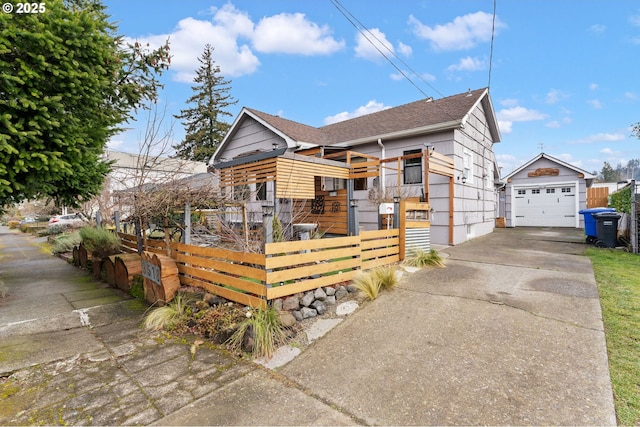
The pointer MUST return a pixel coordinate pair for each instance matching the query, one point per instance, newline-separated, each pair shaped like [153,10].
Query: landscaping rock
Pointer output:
[307,299]
[352,288]
[319,306]
[330,291]
[291,303]
[319,294]
[297,314]
[341,292]
[346,308]
[277,304]
[308,312]
[287,319]
[331,300]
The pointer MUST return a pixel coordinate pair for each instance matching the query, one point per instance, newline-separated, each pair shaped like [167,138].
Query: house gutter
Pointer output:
[453,124]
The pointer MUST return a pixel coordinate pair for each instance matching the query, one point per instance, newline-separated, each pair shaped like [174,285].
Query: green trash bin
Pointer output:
[607,229]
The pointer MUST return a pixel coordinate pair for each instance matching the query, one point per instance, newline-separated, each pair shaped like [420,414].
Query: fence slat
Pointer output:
[222,279]
[302,258]
[284,247]
[227,293]
[221,266]
[303,272]
[306,285]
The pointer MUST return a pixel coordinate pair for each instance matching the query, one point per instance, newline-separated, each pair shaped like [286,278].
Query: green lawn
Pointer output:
[618,277]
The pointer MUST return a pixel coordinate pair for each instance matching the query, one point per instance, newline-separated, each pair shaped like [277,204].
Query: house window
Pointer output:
[521,192]
[566,189]
[535,191]
[412,168]
[261,191]
[467,172]
[360,184]
[551,190]
[241,192]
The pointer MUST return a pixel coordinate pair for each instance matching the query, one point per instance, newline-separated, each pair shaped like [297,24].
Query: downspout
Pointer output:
[383,154]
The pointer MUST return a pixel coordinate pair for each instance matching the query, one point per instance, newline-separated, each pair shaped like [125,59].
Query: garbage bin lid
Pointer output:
[607,215]
[595,210]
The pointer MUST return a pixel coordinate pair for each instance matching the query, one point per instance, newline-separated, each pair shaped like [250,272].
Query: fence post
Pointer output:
[353,222]
[267,223]
[98,219]
[186,236]
[116,218]
[396,211]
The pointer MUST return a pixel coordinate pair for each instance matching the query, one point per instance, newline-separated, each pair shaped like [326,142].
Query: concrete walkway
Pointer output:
[509,333]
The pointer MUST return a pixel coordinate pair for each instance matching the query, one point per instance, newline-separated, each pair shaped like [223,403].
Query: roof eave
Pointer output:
[439,127]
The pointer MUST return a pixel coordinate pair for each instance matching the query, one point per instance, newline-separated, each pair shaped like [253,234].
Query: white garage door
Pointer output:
[545,207]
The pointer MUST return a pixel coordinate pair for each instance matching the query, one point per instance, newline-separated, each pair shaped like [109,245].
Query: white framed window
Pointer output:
[566,189]
[522,192]
[467,171]
[535,191]
[551,190]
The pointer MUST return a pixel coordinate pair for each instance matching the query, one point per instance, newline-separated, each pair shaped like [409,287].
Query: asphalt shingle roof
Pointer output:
[418,114]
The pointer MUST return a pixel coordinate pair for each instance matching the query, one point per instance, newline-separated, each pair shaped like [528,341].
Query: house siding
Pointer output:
[566,176]
[252,136]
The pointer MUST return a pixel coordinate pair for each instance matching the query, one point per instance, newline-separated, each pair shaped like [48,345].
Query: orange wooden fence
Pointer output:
[597,197]
[286,268]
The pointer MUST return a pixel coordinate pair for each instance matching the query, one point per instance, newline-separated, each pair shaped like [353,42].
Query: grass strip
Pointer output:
[618,277]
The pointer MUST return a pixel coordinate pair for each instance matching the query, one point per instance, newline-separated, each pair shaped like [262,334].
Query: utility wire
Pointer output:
[361,28]
[493,32]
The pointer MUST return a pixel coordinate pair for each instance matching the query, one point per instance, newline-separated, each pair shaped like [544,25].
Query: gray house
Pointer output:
[545,192]
[462,128]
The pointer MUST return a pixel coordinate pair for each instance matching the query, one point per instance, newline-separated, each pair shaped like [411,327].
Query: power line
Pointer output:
[493,32]
[361,28]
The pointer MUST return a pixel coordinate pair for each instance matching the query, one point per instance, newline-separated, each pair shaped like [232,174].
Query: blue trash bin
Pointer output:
[590,227]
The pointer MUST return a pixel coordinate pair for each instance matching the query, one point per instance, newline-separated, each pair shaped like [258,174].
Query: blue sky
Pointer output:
[564,78]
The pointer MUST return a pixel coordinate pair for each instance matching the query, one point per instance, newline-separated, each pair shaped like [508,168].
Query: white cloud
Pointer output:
[595,104]
[115,144]
[597,28]
[634,20]
[593,86]
[630,95]
[610,152]
[554,96]
[509,102]
[405,49]
[600,137]
[371,107]
[371,43]
[464,32]
[468,64]
[553,124]
[294,34]
[234,36]
[507,116]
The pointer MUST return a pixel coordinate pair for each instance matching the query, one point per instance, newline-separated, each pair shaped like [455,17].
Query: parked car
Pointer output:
[28,220]
[70,220]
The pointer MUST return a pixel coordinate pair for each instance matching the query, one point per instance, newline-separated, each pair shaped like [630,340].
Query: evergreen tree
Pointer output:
[203,125]
[609,174]
[67,85]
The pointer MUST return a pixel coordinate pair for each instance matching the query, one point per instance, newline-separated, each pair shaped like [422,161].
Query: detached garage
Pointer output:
[545,192]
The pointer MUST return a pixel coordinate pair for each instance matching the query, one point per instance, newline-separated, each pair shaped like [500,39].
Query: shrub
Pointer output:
[99,241]
[167,316]
[369,284]
[420,258]
[66,242]
[266,330]
[386,275]
[13,224]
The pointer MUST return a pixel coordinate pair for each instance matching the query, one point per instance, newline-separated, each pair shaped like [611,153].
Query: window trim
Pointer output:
[411,164]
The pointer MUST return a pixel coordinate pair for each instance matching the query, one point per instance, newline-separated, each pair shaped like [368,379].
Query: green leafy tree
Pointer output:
[608,173]
[68,83]
[204,128]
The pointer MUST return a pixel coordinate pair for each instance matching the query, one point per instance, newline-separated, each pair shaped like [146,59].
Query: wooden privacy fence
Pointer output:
[130,244]
[597,197]
[284,269]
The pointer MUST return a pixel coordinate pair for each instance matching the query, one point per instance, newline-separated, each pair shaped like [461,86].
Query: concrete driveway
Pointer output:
[509,333]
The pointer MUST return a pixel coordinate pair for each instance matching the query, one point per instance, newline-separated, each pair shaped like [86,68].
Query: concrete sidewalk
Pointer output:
[509,333]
